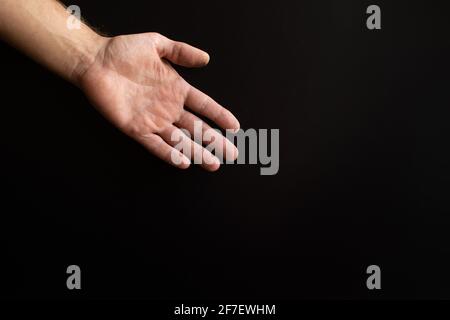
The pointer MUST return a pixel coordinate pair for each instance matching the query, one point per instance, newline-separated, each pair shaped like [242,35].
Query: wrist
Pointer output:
[87,52]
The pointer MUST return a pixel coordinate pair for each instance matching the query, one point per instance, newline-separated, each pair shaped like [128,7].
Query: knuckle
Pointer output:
[206,101]
[155,35]
[157,38]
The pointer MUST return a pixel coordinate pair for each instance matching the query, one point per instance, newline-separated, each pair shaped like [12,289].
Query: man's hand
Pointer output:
[129,79]
[133,85]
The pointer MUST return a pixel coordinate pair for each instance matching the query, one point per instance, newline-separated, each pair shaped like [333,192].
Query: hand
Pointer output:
[132,83]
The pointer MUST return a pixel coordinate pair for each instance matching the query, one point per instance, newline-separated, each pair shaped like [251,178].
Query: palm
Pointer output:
[144,96]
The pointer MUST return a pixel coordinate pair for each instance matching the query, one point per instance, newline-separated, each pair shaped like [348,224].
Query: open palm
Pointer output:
[133,84]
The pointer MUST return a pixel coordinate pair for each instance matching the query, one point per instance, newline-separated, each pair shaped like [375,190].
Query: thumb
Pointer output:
[183,54]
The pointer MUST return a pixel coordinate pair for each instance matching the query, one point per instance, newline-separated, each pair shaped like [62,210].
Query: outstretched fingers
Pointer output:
[181,142]
[204,105]
[224,148]
[158,147]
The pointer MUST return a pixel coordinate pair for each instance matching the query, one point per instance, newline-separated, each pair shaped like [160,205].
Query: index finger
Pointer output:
[204,105]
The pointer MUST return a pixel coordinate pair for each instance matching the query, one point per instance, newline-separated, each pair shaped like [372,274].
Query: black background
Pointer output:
[364,162]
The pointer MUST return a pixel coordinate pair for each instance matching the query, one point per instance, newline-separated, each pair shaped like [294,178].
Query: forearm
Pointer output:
[39,29]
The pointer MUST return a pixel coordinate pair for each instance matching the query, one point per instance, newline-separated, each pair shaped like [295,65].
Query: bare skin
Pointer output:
[129,79]
[144,96]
